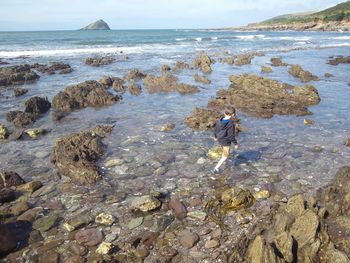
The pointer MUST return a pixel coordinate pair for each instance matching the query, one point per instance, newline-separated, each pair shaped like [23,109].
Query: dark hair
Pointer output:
[230,111]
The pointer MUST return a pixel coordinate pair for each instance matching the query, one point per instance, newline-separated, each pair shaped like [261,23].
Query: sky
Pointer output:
[16,15]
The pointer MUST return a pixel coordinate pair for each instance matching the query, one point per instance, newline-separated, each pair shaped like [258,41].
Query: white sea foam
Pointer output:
[198,39]
[341,38]
[250,37]
[180,39]
[295,38]
[214,38]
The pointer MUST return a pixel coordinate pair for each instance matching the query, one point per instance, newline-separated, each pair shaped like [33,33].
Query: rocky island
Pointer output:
[336,18]
[98,25]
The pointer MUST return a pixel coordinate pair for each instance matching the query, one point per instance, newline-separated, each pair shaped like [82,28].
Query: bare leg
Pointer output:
[225,154]
[222,160]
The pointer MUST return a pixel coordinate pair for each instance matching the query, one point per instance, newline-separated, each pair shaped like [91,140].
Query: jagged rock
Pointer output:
[76,155]
[98,25]
[296,205]
[30,187]
[202,79]
[145,203]
[99,61]
[203,62]
[266,69]
[277,62]
[17,92]
[202,119]
[19,208]
[8,179]
[298,72]
[3,132]
[37,105]
[285,243]
[86,94]
[339,60]
[243,59]
[118,84]
[134,89]
[261,252]
[20,119]
[134,75]
[53,68]
[167,83]
[104,248]
[106,81]
[165,68]
[180,65]
[236,198]
[264,97]
[17,75]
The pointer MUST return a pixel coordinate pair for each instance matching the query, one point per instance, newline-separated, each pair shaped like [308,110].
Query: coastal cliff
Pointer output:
[98,25]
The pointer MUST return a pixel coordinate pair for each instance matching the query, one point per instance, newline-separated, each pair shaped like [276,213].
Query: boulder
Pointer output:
[168,127]
[165,68]
[17,92]
[263,97]
[134,75]
[145,203]
[202,79]
[339,60]
[202,119]
[76,155]
[37,105]
[19,208]
[30,187]
[328,75]
[298,72]
[167,83]
[134,89]
[9,179]
[203,62]
[236,198]
[3,132]
[20,119]
[260,251]
[45,223]
[347,142]
[277,62]
[7,195]
[17,75]
[54,67]
[99,61]
[180,65]
[86,94]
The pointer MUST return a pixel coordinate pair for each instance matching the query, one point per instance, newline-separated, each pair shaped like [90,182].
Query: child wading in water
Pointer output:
[225,135]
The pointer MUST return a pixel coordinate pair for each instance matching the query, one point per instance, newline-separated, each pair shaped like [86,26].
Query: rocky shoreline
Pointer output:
[98,208]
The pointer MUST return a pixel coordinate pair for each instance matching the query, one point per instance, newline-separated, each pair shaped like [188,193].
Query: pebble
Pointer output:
[211,243]
[189,240]
[198,215]
[135,222]
[104,248]
[105,219]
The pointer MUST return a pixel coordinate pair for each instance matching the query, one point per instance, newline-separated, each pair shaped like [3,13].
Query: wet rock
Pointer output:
[3,132]
[35,236]
[197,215]
[215,153]
[104,248]
[141,252]
[74,259]
[54,67]
[44,224]
[178,208]
[76,155]
[285,243]
[203,62]
[86,94]
[261,251]
[9,178]
[89,237]
[134,75]
[17,75]
[167,83]
[266,69]
[8,242]
[211,244]
[298,72]
[105,219]
[20,119]
[134,89]
[243,59]
[328,75]
[19,208]
[99,61]
[34,133]
[202,79]
[17,92]
[277,62]
[164,221]
[118,84]
[347,142]
[165,68]
[202,119]
[106,81]
[167,127]
[135,222]
[236,198]
[263,194]
[30,187]
[180,65]
[308,122]
[188,240]
[339,60]
[76,249]
[265,97]
[7,195]
[145,203]
[77,221]
[31,214]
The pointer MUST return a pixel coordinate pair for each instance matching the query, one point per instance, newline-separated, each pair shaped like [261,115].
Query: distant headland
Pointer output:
[98,25]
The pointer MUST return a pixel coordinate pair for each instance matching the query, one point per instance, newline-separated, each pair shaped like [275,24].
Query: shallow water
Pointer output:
[281,150]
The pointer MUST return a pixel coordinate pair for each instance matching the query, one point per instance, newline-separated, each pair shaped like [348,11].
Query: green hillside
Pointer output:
[339,12]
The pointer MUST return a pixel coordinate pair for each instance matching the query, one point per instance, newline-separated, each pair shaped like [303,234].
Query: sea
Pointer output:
[281,153]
